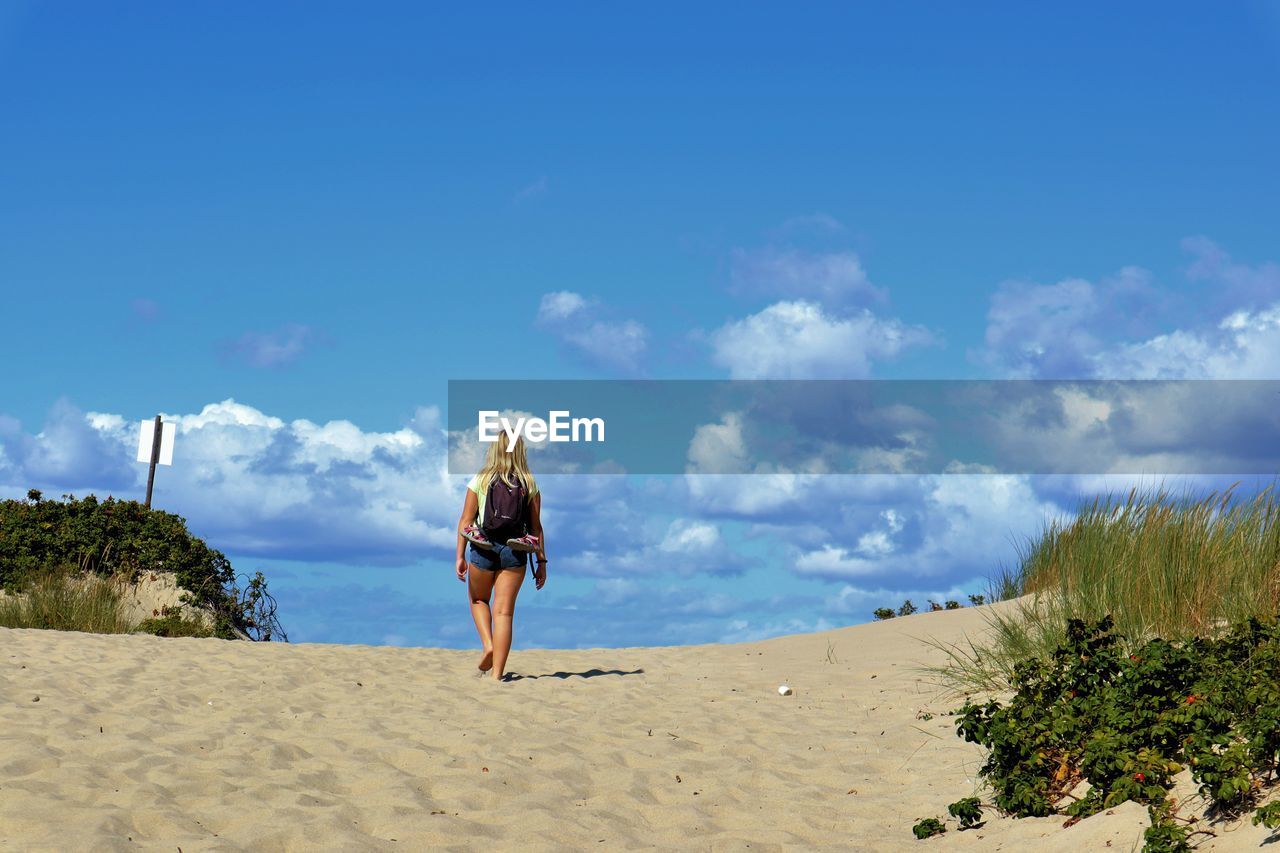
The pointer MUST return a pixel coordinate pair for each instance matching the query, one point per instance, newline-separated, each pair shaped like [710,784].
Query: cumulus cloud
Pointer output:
[719,448]
[1237,286]
[819,427]
[258,485]
[1242,345]
[830,278]
[614,344]
[685,536]
[560,305]
[278,348]
[851,600]
[1077,329]
[1056,331]
[746,630]
[69,452]
[952,526]
[801,340]
[1176,428]
[644,540]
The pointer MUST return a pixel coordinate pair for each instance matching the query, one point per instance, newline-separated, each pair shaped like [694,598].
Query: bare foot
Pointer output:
[486,660]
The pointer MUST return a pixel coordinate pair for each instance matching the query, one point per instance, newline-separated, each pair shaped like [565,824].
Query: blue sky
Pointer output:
[287,226]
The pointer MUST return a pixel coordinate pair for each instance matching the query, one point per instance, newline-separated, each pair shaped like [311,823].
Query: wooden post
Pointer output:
[155,459]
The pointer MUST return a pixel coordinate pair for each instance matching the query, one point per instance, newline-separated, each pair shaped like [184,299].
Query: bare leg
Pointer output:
[479,588]
[505,589]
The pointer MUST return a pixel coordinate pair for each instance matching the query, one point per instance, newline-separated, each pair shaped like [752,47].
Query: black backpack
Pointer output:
[506,511]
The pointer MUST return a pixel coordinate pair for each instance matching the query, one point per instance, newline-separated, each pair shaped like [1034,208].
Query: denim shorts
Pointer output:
[499,557]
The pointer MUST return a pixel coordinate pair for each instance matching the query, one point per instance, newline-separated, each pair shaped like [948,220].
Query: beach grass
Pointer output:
[1161,564]
[65,599]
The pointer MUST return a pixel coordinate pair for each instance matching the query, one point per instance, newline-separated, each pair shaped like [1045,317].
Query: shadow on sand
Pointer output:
[590,673]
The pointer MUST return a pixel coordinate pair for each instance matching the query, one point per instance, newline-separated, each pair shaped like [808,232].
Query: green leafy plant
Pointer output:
[1127,722]
[1268,816]
[908,608]
[968,811]
[121,539]
[172,623]
[928,827]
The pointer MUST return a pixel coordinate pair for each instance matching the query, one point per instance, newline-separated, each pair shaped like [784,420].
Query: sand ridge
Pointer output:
[139,742]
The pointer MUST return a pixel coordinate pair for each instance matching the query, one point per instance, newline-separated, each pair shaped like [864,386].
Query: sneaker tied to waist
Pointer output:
[528,542]
[475,536]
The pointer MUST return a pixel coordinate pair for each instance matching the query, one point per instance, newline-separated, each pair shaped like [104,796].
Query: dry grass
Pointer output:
[1159,564]
[68,600]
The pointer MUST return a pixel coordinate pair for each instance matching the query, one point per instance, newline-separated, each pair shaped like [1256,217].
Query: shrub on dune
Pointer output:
[43,542]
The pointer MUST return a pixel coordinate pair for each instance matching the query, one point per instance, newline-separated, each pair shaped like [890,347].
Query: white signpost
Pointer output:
[155,445]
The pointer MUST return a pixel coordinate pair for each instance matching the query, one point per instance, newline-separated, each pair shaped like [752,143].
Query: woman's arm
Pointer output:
[469,507]
[535,524]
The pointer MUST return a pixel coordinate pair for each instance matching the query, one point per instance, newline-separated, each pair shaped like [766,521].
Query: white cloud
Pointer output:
[1239,285]
[1032,328]
[831,278]
[560,305]
[719,448]
[1076,329]
[800,340]
[616,344]
[690,537]
[614,591]
[879,543]
[257,485]
[891,528]
[69,452]
[744,631]
[749,495]
[277,348]
[850,600]
[1243,345]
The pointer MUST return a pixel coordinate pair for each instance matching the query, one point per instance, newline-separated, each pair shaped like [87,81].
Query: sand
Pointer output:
[140,742]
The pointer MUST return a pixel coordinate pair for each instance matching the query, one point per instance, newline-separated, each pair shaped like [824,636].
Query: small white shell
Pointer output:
[784,690]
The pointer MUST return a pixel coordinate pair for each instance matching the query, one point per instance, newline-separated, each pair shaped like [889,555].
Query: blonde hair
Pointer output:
[508,465]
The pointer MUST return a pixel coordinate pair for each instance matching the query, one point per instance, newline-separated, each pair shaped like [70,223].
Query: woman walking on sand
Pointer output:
[502,519]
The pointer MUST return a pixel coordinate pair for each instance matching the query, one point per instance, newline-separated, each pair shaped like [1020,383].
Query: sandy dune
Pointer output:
[139,742]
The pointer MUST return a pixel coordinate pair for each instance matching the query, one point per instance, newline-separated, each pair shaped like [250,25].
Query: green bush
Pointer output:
[171,623]
[123,539]
[1127,722]
[968,811]
[928,827]
[907,608]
